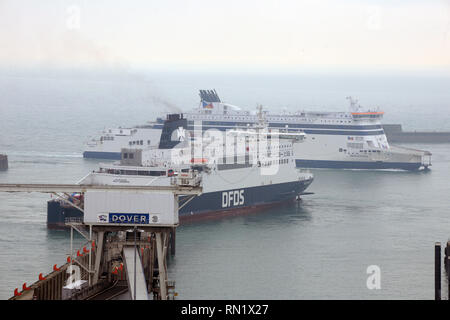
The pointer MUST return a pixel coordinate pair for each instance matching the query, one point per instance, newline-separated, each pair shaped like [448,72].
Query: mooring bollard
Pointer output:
[448,277]
[173,241]
[437,271]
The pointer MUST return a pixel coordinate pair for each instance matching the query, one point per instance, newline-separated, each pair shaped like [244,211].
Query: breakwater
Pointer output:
[395,133]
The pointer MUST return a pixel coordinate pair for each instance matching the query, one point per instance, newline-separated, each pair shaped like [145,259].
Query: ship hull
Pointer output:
[216,204]
[334,147]
[303,163]
[208,205]
[102,155]
[326,164]
[58,214]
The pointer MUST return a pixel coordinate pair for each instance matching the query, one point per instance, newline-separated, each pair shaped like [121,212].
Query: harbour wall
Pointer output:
[395,134]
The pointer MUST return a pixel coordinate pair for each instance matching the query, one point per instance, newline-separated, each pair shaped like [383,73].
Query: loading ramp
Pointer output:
[135,273]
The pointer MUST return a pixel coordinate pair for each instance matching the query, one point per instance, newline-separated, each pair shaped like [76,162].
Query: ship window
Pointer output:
[142,142]
[340,149]
[157,173]
[148,141]
[125,155]
[131,156]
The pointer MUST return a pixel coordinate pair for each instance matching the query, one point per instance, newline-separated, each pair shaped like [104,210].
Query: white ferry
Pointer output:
[347,140]
[233,182]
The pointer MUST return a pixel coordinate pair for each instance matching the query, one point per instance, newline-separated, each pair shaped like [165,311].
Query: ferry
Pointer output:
[255,169]
[346,140]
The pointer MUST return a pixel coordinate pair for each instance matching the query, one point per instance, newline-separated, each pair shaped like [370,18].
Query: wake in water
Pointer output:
[38,154]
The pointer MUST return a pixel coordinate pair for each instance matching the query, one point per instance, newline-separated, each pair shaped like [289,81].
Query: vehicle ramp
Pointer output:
[141,285]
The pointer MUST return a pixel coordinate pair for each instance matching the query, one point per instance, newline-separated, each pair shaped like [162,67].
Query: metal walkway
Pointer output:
[129,253]
[71,188]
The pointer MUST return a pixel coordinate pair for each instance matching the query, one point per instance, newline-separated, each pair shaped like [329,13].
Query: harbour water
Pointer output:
[317,249]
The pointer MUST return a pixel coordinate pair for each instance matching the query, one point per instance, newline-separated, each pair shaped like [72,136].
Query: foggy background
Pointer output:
[101,63]
[253,35]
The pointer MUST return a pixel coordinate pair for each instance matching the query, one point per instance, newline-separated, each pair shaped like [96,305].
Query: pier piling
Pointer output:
[173,242]
[448,277]
[3,162]
[437,271]
[447,255]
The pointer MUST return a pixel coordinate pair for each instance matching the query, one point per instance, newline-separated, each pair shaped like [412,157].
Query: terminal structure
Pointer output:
[127,232]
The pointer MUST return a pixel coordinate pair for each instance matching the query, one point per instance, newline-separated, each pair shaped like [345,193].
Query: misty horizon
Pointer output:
[264,36]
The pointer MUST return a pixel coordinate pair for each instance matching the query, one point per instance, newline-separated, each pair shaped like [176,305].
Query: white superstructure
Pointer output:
[110,141]
[253,168]
[353,139]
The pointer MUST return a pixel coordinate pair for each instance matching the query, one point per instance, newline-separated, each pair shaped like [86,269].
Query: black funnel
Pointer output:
[169,135]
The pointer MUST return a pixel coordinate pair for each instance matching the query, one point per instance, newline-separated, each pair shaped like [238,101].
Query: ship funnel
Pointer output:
[209,96]
[174,131]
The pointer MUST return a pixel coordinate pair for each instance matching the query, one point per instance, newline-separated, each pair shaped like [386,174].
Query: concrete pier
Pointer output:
[3,162]
[395,134]
[126,249]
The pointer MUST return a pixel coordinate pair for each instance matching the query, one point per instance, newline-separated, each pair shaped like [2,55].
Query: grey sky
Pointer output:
[214,34]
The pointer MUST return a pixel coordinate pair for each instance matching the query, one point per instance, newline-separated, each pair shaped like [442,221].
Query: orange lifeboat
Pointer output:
[199,160]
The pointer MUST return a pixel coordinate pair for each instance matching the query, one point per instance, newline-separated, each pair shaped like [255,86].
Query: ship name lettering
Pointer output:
[232,198]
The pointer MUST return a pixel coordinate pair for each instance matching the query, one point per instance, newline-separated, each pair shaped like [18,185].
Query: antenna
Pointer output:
[261,116]
[353,103]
